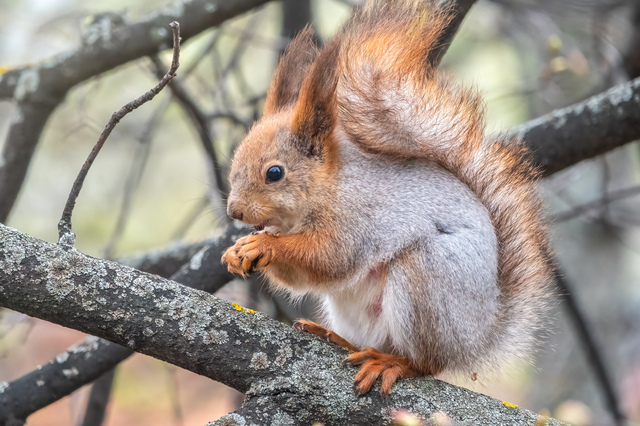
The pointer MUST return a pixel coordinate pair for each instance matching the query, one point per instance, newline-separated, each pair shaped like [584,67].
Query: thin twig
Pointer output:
[596,204]
[246,38]
[66,236]
[173,388]
[234,118]
[134,177]
[208,48]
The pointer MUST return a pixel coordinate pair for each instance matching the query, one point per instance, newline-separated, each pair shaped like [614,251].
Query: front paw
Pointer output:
[249,254]
[234,263]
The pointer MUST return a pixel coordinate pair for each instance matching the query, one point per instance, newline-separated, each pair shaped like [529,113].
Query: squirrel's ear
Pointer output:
[315,113]
[291,71]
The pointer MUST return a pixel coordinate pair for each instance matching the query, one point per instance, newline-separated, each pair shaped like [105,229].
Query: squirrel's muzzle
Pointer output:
[233,211]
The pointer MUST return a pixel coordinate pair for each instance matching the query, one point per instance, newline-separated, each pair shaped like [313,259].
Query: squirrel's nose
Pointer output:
[233,211]
[235,214]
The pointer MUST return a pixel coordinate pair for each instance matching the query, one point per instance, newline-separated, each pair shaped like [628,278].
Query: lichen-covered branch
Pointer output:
[43,386]
[111,42]
[584,130]
[248,351]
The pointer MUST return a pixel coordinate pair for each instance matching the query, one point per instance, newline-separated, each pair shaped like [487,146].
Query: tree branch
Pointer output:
[67,372]
[200,122]
[99,399]
[103,50]
[204,271]
[271,362]
[460,8]
[584,130]
[24,133]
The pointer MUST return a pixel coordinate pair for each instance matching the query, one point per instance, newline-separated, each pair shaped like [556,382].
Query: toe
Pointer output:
[367,376]
[389,377]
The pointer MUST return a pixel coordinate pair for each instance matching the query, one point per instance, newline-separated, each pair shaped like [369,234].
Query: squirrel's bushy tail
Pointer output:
[391,101]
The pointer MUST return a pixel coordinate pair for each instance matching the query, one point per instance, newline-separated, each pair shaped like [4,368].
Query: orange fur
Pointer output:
[288,256]
[375,364]
[328,335]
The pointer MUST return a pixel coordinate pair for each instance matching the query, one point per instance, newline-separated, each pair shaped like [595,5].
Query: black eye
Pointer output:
[275,173]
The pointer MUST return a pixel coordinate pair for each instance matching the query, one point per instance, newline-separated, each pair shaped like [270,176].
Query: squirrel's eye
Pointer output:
[275,173]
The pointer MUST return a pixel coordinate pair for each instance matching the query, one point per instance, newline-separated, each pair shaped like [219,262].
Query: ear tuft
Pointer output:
[315,113]
[292,69]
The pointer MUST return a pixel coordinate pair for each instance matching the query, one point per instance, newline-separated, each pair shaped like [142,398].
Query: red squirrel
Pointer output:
[370,187]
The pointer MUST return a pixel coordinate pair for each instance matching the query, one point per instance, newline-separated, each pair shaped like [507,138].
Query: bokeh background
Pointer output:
[527,57]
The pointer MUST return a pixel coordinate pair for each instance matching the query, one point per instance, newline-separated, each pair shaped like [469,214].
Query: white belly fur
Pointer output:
[357,313]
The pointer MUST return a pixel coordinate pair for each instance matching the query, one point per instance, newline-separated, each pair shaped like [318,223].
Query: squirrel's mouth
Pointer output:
[260,226]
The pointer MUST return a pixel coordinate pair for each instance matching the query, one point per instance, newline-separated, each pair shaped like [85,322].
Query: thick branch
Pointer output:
[110,44]
[273,363]
[584,130]
[43,386]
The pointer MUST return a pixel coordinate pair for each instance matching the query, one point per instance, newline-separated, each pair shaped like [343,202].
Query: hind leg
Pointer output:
[323,333]
[374,363]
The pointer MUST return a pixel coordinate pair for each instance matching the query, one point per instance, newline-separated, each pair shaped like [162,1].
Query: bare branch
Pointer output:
[18,149]
[278,367]
[594,353]
[66,237]
[597,204]
[98,400]
[136,170]
[460,8]
[584,130]
[125,42]
[70,370]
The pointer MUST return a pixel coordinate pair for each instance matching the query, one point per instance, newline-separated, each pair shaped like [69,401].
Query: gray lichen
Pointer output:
[259,361]
[28,83]
[70,372]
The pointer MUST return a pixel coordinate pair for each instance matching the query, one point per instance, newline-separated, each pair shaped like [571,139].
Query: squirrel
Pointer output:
[370,186]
